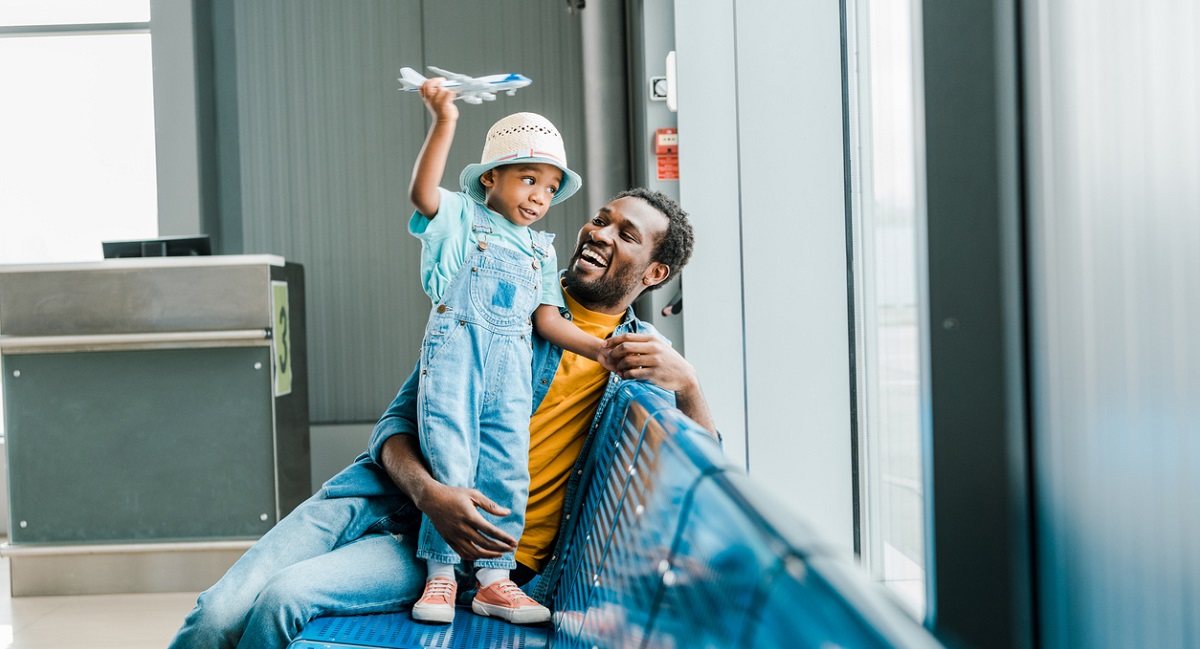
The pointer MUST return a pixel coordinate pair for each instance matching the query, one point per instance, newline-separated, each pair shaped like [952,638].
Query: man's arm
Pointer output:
[650,358]
[454,511]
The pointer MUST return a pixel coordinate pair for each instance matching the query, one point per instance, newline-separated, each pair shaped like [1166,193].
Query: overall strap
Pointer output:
[481,225]
[542,242]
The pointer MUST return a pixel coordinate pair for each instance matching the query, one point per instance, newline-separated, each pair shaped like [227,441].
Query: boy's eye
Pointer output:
[553,189]
[528,180]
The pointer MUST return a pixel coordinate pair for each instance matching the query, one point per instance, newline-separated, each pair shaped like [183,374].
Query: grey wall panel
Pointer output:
[180,202]
[326,147]
[652,36]
[537,39]
[978,572]
[1115,240]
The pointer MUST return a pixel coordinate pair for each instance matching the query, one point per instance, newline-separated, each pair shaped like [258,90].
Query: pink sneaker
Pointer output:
[505,600]
[437,604]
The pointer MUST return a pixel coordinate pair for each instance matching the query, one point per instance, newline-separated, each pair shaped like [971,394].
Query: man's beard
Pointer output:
[608,292]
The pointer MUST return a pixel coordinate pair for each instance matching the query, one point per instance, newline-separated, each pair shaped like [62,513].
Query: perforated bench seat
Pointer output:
[399,631]
[672,547]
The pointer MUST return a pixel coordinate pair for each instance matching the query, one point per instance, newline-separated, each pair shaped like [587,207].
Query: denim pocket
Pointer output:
[503,293]
[440,333]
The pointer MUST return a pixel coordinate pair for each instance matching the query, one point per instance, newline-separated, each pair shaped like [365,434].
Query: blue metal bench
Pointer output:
[672,547]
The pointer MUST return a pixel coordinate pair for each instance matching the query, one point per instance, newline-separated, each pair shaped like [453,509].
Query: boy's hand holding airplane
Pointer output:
[473,90]
[439,100]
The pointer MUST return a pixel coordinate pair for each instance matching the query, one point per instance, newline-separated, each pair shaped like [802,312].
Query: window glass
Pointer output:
[78,162]
[77,157]
[886,189]
[72,12]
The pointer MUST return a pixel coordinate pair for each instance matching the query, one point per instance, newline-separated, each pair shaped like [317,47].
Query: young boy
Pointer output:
[486,273]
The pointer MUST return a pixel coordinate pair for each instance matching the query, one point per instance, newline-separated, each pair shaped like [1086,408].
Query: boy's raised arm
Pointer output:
[431,161]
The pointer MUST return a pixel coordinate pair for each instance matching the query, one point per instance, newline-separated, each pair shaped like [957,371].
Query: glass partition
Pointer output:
[885,182]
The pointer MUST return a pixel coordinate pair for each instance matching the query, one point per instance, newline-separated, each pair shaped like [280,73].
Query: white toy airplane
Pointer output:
[473,90]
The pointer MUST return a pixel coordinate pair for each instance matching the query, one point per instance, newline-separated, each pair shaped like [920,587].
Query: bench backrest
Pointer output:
[675,547]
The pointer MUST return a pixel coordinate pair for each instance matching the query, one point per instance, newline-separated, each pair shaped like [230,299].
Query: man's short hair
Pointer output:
[674,247]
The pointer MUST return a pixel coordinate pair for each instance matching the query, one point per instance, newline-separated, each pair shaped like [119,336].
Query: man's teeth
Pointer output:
[593,258]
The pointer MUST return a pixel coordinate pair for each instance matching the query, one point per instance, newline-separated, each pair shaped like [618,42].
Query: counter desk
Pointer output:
[155,417]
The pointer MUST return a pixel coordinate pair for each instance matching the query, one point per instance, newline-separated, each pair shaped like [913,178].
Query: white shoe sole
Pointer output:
[437,614]
[517,616]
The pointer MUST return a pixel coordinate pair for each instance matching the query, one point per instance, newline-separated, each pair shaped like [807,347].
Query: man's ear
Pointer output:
[656,273]
[488,178]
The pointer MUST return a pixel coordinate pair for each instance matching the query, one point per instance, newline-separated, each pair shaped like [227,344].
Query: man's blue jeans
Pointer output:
[329,556]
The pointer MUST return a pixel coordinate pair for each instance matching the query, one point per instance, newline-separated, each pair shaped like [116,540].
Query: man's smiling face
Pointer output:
[612,262]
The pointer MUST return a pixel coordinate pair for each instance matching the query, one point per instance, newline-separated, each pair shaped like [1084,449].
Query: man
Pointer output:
[350,549]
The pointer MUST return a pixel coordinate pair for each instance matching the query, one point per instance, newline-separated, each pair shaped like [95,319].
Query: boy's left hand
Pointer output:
[605,359]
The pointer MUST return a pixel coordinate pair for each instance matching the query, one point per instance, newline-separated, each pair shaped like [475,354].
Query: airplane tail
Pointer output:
[410,79]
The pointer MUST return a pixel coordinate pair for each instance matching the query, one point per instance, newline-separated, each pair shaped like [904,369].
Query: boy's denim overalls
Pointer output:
[474,397]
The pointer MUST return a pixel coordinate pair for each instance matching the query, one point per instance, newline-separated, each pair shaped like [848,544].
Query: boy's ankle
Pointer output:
[488,576]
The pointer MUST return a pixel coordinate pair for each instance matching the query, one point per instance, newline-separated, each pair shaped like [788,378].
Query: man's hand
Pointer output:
[454,512]
[650,358]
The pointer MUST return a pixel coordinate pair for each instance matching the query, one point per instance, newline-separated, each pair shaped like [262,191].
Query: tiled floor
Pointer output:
[92,621]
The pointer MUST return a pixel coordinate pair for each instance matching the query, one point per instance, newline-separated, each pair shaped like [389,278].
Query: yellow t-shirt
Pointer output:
[556,435]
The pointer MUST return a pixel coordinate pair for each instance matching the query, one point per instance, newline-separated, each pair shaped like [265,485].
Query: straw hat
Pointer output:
[521,137]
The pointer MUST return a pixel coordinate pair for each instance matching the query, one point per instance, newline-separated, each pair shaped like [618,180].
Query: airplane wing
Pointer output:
[454,76]
[467,87]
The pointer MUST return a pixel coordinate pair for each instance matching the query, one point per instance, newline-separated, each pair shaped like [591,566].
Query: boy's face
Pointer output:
[522,192]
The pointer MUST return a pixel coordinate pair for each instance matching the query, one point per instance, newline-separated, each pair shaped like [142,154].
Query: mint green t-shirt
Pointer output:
[448,239]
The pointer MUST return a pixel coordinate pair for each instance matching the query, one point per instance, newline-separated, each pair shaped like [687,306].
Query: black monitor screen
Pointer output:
[165,247]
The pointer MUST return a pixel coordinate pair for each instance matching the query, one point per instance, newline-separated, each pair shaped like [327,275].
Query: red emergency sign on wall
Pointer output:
[666,149]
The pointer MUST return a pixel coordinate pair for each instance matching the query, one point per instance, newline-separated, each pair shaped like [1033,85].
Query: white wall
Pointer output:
[761,167]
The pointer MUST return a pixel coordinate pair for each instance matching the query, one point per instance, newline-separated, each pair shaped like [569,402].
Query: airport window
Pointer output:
[77,165]
[885,185]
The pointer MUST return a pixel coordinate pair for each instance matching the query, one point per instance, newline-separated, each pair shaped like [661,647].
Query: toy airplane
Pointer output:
[473,90]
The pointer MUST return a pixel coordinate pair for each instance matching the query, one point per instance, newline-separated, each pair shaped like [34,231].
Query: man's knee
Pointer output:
[215,622]
[289,593]
[284,606]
